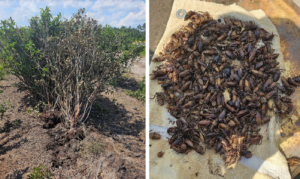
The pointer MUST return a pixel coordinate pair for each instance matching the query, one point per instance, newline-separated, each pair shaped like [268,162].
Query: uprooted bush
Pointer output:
[65,63]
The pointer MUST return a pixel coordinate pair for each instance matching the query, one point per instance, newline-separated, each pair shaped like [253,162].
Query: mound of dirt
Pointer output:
[64,146]
[51,119]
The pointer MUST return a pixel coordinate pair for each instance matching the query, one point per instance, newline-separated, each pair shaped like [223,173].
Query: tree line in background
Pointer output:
[131,34]
[67,63]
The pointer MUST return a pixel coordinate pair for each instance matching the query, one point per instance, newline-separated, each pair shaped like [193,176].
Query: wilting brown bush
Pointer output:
[65,63]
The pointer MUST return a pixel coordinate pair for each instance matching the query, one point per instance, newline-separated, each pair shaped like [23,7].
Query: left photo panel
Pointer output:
[72,89]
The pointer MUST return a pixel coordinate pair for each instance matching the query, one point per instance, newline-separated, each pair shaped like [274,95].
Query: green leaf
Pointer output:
[45,69]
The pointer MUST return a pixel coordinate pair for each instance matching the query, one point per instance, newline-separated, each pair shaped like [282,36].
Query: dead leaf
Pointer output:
[294,161]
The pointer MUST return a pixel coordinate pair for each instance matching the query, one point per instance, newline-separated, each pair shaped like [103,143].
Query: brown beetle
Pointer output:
[154,136]
[160,154]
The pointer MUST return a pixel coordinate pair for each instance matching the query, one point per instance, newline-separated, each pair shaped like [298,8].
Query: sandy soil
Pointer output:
[139,68]
[110,145]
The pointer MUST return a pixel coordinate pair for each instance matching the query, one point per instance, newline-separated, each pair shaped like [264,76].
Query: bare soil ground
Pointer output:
[139,68]
[110,145]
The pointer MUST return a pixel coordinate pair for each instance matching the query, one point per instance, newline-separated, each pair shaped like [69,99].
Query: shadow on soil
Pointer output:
[11,125]
[3,150]
[29,101]
[128,84]
[112,118]
[17,174]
